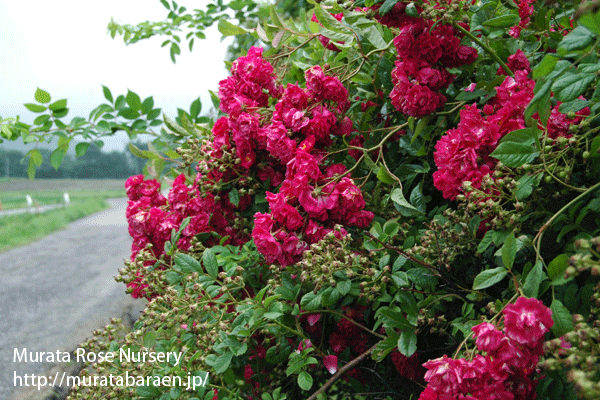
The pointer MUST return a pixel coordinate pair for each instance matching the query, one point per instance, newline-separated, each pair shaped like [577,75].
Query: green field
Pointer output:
[87,197]
[50,191]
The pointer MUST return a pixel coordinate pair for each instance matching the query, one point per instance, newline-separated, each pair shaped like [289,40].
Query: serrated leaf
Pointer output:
[228,29]
[305,381]
[234,197]
[311,301]
[570,87]
[210,263]
[545,66]
[36,108]
[387,6]
[41,96]
[525,136]
[344,287]
[514,154]
[407,343]
[329,22]
[591,21]
[134,101]
[503,21]
[485,241]
[404,206]
[557,268]
[509,250]
[579,38]
[534,279]
[563,320]
[489,278]
[57,157]
[150,339]
[222,363]
[188,263]
[541,102]
[107,94]
[58,105]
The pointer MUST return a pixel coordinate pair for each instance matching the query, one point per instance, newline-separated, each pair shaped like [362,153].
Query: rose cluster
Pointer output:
[425,49]
[525,12]
[152,218]
[504,369]
[313,197]
[463,153]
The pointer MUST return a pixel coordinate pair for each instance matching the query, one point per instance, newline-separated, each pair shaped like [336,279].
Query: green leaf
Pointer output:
[305,381]
[188,263]
[36,156]
[525,136]
[222,363]
[572,86]
[579,38]
[31,169]
[150,338]
[58,105]
[591,21]
[489,278]
[210,263]
[310,301]
[514,154]
[57,157]
[407,344]
[107,94]
[41,96]
[563,320]
[228,29]
[509,250]
[545,66]
[234,197]
[329,22]
[525,185]
[503,21]
[534,278]
[147,105]
[485,241]
[405,208]
[540,102]
[557,268]
[395,319]
[387,6]
[344,287]
[174,51]
[385,177]
[81,148]
[134,101]
[36,108]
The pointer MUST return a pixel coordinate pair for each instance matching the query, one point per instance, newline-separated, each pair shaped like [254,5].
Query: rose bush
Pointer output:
[397,200]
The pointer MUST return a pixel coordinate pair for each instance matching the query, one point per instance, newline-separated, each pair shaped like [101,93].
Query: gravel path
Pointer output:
[55,291]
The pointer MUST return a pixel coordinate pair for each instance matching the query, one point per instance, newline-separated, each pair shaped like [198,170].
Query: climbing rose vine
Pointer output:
[390,199]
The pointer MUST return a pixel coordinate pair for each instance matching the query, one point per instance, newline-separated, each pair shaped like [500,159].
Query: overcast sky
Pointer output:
[63,47]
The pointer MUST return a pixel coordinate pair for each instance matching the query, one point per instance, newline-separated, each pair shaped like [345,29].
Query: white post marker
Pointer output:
[66,198]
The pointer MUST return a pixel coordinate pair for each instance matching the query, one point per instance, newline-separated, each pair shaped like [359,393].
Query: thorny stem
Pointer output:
[341,372]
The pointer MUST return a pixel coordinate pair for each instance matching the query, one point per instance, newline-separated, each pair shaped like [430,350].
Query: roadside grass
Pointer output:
[50,191]
[18,230]
[87,197]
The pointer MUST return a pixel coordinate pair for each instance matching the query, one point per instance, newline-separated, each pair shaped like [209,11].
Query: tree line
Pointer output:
[94,164]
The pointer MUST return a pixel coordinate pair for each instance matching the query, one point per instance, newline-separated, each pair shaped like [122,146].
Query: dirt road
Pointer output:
[55,291]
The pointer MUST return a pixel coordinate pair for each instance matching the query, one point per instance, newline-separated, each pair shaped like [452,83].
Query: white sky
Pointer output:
[63,47]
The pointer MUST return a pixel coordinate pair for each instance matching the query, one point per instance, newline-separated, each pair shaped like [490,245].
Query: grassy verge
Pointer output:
[50,191]
[18,230]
